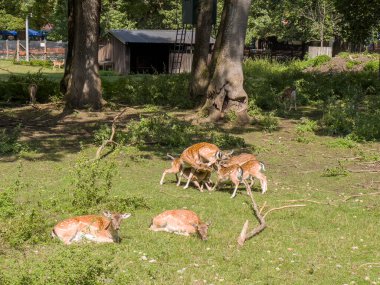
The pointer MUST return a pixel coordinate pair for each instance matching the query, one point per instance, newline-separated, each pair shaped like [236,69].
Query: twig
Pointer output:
[374,264]
[360,195]
[113,130]
[283,207]
[311,201]
[363,171]
[263,207]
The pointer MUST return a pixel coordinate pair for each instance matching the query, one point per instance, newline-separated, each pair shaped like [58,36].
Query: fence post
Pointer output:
[18,50]
[7,48]
[45,49]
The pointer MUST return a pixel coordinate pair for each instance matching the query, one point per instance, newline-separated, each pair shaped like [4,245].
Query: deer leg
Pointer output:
[263,182]
[216,186]
[189,178]
[235,190]
[179,178]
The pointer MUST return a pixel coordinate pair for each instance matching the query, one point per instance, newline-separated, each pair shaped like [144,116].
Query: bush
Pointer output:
[160,129]
[372,66]
[16,88]
[269,122]
[320,60]
[339,170]
[227,141]
[163,90]
[9,141]
[351,64]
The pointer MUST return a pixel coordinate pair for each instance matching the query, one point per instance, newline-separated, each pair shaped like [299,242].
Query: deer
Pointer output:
[240,159]
[289,95]
[58,63]
[32,90]
[181,222]
[200,156]
[96,228]
[254,168]
[233,173]
[199,178]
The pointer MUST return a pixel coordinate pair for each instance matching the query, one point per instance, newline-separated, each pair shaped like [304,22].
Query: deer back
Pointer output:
[203,152]
[240,159]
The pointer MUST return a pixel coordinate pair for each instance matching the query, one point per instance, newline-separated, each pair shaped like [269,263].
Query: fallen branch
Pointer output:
[363,171]
[311,201]
[263,207]
[113,131]
[283,207]
[262,225]
[360,195]
[370,264]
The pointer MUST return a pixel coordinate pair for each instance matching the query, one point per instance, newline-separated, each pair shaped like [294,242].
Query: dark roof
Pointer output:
[151,36]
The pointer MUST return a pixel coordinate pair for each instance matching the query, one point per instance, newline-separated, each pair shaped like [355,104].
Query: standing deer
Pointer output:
[58,63]
[32,90]
[290,96]
[200,156]
[181,222]
[240,159]
[254,168]
[233,173]
[95,228]
[199,178]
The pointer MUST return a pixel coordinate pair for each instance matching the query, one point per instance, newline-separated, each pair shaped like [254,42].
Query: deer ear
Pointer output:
[219,155]
[126,215]
[230,153]
[208,223]
[107,214]
[195,225]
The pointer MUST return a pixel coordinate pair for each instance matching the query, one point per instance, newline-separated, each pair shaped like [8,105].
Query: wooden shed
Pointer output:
[147,51]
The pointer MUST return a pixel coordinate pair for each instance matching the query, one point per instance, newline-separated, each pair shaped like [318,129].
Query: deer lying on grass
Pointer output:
[200,156]
[181,222]
[58,63]
[253,169]
[289,96]
[94,228]
[233,173]
[199,177]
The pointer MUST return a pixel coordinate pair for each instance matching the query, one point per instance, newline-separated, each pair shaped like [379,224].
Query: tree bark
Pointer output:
[225,91]
[81,82]
[199,70]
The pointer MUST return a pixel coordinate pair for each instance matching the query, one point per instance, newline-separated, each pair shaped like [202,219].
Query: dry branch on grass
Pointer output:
[113,131]
[311,201]
[360,195]
[370,264]
[283,207]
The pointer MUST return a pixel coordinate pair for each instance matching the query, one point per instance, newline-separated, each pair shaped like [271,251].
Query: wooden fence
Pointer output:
[315,51]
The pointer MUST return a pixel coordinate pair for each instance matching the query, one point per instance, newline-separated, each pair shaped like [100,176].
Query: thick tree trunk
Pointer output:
[199,70]
[225,91]
[81,82]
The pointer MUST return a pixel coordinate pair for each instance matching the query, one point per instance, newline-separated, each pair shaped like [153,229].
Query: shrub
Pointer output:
[15,89]
[345,142]
[372,66]
[320,60]
[91,182]
[160,129]
[344,54]
[339,170]
[306,126]
[9,141]
[226,140]
[351,63]
[269,122]
[7,203]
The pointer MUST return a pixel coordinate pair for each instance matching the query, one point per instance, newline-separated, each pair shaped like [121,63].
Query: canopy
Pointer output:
[8,33]
[34,33]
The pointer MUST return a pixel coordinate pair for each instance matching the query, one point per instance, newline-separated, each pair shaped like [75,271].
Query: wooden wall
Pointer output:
[115,53]
[315,51]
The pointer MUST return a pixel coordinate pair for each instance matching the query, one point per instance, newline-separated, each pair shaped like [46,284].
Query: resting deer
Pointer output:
[182,222]
[58,63]
[233,173]
[200,156]
[254,168]
[94,228]
[290,96]
[199,178]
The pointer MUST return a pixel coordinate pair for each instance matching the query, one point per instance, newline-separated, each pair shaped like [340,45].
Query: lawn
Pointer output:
[328,241]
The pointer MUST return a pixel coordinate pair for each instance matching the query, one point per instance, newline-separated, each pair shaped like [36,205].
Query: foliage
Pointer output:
[345,142]
[320,60]
[162,90]
[9,141]
[339,170]
[372,66]
[227,141]
[91,182]
[15,89]
[34,62]
[305,130]
[351,63]
[160,129]
[269,122]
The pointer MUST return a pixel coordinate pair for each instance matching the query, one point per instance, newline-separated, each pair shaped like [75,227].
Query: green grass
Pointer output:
[316,244]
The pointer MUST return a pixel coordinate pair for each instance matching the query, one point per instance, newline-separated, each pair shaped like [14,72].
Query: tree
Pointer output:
[199,70]
[225,92]
[81,82]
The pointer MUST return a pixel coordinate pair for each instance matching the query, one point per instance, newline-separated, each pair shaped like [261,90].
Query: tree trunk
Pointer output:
[225,91]
[199,70]
[81,82]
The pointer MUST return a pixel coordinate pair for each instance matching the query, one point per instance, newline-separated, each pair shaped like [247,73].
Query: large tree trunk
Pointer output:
[199,70]
[81,82]
[225,91]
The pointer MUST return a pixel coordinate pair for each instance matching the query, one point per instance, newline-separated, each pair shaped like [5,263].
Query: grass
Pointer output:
[316,244]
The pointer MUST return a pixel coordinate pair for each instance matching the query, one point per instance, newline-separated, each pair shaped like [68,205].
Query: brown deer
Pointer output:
[289,96]
[58,63]
[254,168]
[240,159]
[181,222]
[233,173]
[200,156]
[199,178]
[94,228]
[32,90]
